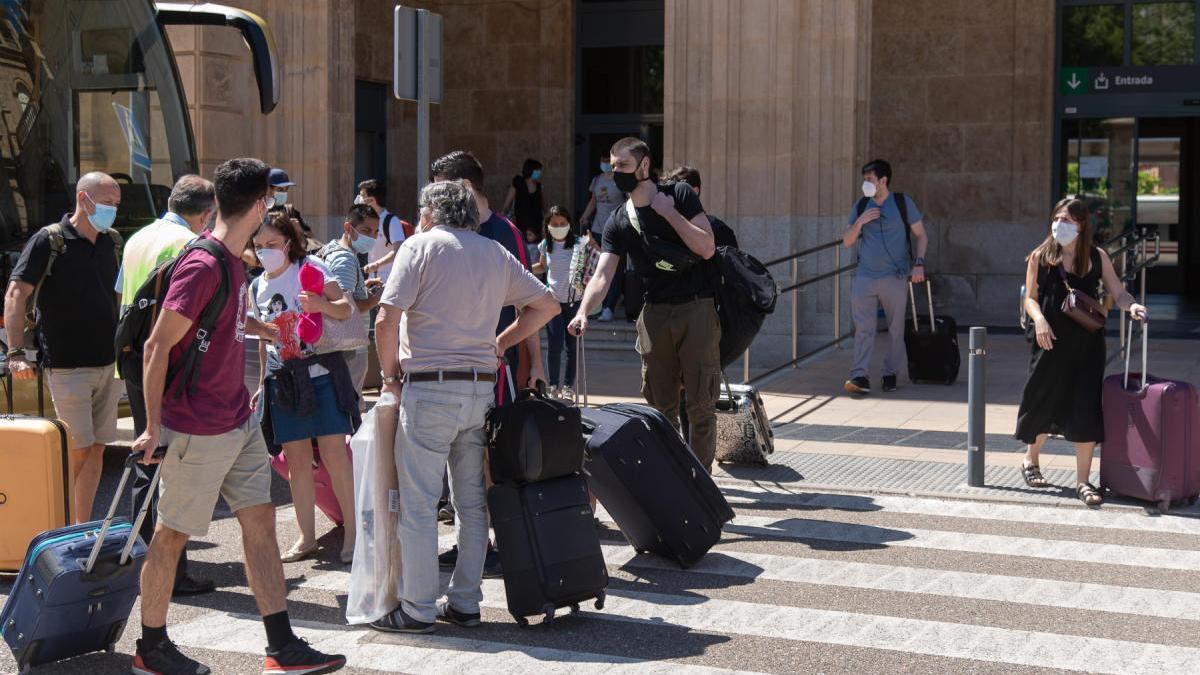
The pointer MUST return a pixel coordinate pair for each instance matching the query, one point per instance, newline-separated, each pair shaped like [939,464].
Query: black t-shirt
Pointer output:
[722,233]
[527,207]
[620,238]
[77,305]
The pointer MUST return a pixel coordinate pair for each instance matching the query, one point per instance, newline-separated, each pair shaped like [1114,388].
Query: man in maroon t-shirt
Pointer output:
[213,446]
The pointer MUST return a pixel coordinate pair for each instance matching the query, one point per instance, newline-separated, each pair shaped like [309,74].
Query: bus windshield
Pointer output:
[86,85]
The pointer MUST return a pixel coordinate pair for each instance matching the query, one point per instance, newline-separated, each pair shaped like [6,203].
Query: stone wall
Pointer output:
[961,105]
[509,91]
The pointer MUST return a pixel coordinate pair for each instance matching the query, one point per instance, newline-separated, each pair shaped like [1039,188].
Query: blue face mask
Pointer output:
[104,216]
[363,244]
[536,175]
[605,167]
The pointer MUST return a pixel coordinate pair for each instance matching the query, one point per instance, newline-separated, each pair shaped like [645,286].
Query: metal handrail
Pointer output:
[795,288]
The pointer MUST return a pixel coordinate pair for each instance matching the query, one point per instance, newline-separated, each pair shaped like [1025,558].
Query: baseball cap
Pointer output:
[279,178]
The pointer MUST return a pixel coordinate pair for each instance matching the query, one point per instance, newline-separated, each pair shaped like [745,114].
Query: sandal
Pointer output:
[1032,474]
[1089,495]
[296,554]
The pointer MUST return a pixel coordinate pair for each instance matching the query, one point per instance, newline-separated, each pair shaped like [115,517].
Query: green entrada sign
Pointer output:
[1128,80]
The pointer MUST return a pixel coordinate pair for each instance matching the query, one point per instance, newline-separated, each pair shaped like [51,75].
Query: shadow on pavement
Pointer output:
[820,535]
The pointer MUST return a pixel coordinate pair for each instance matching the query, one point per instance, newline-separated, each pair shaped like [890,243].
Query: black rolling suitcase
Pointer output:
[648,479]
[932,344]
[76,587]
[548,546]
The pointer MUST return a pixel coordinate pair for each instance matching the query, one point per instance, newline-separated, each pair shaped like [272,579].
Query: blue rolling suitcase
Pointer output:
[76,587]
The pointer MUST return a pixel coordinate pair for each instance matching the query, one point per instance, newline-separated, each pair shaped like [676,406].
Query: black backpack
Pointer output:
[902,206]
[138,318]
[745,293]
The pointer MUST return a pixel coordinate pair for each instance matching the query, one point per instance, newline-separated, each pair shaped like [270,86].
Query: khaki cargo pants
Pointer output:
[680,343]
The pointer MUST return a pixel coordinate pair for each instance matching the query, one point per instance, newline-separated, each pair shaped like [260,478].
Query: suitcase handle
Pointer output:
[112,510]
[1145,353]
[913,298]
[581,356]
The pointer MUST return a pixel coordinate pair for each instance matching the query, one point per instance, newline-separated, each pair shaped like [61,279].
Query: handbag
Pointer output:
[583,266]
[1082,308]
[343,335]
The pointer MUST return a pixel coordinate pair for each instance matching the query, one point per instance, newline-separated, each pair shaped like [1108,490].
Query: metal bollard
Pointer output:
[976,424]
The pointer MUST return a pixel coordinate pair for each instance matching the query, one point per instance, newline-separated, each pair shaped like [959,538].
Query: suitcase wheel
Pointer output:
[110,648]
[1164,506]
[1193,500]
[548,614]
[599,601]
[574,607]
[521,621]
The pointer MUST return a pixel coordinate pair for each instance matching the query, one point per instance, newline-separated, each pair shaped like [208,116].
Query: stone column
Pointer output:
[767,98]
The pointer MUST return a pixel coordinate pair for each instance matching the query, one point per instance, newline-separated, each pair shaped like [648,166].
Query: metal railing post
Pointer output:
[795,311]
[976,412]
[1124,271]
[837,297]
[1142,292]
[746,367]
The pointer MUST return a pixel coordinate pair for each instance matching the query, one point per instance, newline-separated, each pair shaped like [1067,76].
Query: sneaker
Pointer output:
[446,514]
[491,563]
[606,315]
[447,613]
[165,658]
[298,658]
[567,394]
[449,558]
[889,383]
[858,385]
[396,621]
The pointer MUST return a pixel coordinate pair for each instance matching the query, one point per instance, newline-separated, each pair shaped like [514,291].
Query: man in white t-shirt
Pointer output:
[391,230]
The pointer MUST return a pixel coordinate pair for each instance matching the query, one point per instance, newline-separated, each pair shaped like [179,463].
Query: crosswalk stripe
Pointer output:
[438,654]
[1048,515]
[989,544]
[916,636]
[967,585]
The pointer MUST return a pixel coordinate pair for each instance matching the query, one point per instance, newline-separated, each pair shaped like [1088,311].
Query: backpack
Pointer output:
[137,321]
[745,294]
[404,225]
[902,206]
[58,245]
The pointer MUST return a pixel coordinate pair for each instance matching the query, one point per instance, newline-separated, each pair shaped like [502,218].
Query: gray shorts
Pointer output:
[86,399]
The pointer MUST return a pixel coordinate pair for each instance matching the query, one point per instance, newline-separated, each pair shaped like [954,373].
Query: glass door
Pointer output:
[1100,166]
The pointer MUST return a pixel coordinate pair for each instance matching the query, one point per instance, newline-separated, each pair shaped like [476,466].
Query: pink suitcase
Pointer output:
[326,500]
[1151,445]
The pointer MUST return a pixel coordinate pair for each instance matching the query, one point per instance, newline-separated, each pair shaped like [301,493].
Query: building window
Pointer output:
[1164,34]
[622,80]
[1093,35]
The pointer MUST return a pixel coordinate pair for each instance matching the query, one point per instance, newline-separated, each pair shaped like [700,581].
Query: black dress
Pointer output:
[528,207]
[1062,395]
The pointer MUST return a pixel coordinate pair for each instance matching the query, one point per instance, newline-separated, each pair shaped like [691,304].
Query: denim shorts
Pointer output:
[287,426]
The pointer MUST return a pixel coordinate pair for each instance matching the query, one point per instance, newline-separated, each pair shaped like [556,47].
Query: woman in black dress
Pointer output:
[1062,395]
[524,201]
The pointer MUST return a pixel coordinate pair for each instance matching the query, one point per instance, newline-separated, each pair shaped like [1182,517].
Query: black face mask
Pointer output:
[626,182]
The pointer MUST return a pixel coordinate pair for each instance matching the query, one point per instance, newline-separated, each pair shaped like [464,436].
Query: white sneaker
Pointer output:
[606,315]
[567,394]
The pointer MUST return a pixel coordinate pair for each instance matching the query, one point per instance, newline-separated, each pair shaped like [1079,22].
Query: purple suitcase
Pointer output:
[1151,445]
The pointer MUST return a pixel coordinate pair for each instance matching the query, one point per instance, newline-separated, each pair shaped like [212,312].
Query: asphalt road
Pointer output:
[801,582]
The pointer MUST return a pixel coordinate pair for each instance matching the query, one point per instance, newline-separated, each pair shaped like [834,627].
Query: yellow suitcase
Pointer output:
[35,477]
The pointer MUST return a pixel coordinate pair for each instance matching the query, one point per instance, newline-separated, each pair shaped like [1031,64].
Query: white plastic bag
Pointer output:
[375,574]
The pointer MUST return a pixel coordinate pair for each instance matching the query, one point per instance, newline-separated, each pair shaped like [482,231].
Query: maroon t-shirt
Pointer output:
[220,403]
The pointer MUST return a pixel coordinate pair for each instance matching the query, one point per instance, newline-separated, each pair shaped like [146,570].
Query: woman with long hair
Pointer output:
[1062,395]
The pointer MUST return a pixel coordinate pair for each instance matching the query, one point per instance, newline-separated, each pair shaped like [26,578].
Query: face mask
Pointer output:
[103,217]
[536,175]
[272,259]
[626,182]
[1064,232]
[363,244]
[358,199]
[868,189]
[280,198]
[559,233]
[605,167]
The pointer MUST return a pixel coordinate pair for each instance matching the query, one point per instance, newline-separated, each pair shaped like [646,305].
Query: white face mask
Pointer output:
[559,233]
[272,259]
[868,189]
[1064,232]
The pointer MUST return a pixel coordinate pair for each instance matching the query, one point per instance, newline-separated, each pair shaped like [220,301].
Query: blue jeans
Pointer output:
[556,336]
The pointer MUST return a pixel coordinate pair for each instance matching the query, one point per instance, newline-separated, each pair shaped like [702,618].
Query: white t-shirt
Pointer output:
[275,302]
[558,268]
[380,249]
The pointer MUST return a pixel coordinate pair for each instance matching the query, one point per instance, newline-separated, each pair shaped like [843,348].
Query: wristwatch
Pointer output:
[389,379]
[918,262]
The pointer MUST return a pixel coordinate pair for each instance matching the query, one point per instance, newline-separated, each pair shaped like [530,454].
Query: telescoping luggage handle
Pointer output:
[112,510]
[911,296]
[1129,350]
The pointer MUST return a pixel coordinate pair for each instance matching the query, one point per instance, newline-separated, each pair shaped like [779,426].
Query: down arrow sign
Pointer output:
[1074,82]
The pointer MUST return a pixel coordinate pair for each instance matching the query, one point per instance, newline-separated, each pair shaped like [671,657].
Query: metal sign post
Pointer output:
[976,425]
[417,72]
